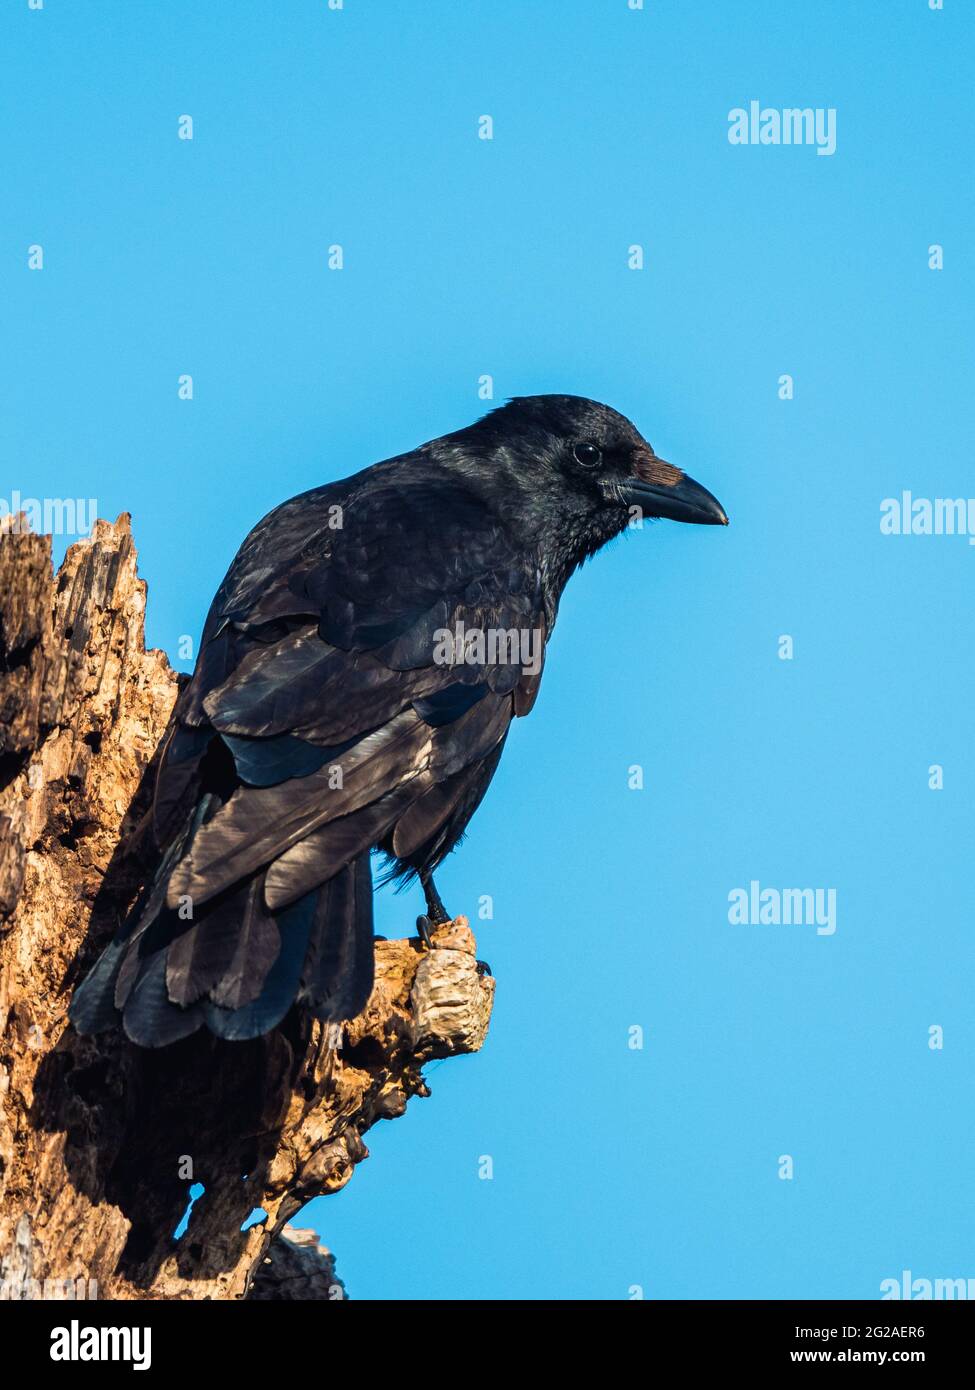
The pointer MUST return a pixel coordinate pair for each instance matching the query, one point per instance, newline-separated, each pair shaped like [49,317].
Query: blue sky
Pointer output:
[613,1167]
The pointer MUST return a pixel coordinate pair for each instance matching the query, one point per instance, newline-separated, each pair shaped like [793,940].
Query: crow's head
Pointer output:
[574,468]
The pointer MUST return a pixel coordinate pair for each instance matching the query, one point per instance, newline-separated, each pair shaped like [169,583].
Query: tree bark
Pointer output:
[100,1141]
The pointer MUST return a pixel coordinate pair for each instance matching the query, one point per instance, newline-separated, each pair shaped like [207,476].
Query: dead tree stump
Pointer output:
[101,1140]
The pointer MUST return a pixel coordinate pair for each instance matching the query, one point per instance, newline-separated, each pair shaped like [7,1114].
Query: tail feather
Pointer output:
[96,1002]
[278,987]
[153,925]
[198,961]
[227,954]
[149,1018]
[238,968]
[338,973]
[92,1008]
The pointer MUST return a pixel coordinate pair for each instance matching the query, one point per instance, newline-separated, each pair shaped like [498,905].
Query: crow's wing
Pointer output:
[324,675]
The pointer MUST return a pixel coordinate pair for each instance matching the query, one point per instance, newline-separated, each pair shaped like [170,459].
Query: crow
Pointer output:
[359,669]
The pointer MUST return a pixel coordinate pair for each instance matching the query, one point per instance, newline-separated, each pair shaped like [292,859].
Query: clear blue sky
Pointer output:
[612,1167]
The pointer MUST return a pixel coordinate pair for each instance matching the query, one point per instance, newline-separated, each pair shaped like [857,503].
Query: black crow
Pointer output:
[359,668]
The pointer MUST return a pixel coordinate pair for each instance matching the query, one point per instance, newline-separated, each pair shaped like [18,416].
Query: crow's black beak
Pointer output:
[684,500]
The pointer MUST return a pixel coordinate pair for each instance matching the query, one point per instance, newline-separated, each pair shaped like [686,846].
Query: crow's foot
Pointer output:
[424,925]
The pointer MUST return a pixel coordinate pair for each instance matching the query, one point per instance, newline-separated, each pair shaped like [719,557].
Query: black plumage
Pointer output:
[360,666]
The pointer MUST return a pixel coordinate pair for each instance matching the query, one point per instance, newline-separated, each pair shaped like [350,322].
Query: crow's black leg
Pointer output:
[436,914]
[436,911]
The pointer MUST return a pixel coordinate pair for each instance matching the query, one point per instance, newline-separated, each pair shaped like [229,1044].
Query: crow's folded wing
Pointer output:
[326,676]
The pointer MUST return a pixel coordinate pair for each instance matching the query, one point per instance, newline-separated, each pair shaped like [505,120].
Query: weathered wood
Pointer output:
[100,1140]
[297,1267]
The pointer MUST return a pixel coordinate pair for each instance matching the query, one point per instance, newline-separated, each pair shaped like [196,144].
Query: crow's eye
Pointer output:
[586,454]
